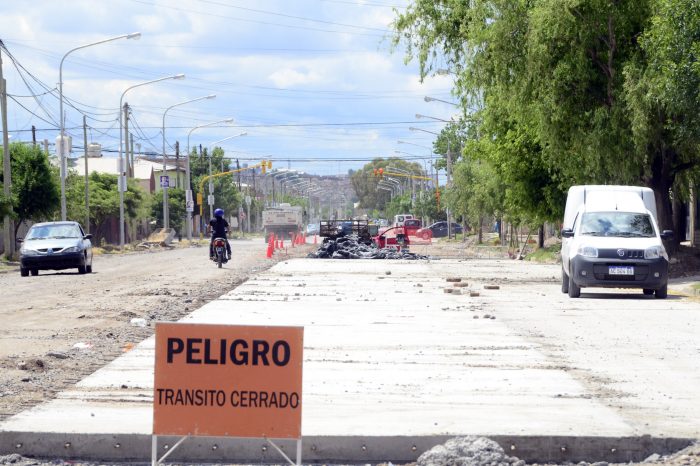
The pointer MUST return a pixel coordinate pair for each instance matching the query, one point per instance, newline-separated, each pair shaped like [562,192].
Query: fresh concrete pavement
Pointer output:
[395,365]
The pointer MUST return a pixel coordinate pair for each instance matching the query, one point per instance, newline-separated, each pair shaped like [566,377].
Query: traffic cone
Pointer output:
[269,250]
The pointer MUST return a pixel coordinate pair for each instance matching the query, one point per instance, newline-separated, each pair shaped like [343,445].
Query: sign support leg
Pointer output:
[279,450]
[298,452]
[154,450]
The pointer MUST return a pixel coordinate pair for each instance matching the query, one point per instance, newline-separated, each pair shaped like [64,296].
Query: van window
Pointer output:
[624,224]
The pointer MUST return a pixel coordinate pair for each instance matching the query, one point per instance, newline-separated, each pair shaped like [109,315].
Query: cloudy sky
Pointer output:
[314,83]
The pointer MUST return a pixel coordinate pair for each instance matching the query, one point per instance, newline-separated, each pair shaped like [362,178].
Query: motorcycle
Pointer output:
[220,251]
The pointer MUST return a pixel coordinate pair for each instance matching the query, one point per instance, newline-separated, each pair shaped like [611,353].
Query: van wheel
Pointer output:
[662,292]
[564,281]
[81,269]
[648,291]
[574,289]
[23,272]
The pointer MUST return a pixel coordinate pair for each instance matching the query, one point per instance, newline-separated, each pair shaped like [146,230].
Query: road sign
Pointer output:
[164,181]
[247,199]
[228,380]
[210,199]
[189,206]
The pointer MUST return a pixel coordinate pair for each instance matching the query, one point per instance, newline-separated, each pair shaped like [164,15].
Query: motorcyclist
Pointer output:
[218,226]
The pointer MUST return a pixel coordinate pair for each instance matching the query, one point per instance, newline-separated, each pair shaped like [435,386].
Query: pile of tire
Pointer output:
[349,247]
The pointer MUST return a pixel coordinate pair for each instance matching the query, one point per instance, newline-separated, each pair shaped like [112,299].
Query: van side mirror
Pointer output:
[19,240]
[667,234]
[567,233]
[88,236]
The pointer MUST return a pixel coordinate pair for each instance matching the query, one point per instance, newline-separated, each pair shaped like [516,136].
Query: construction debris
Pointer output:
[349,247]
[471,451]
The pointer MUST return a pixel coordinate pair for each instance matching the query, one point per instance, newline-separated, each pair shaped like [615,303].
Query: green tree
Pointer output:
[226,191]
[365,182]
[35,193]
[176,209]
[590,91]
[104,200]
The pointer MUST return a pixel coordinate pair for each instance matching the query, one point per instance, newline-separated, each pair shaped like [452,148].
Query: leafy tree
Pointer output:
[176,209]
[365,183]
[104,200]
[226,191]
[590,91]
[35,193]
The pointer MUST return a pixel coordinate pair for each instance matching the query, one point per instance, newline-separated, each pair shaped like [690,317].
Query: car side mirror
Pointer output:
[19,240]
[567,233]
[88,236]
[667,234]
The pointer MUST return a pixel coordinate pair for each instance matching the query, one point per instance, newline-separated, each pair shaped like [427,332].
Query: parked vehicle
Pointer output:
[220,256]
[55,246]
[283,220]
[411,226]
[334,229]
[392,237]
[610,238]
[401,218]
[438,230]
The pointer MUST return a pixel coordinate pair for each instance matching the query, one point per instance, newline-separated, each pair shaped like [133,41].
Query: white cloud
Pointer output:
[290,77]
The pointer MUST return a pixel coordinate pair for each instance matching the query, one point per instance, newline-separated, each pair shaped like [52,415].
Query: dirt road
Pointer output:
[60,326]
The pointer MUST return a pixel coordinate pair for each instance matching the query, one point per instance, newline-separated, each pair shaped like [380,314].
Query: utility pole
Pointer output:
[238,167]
[33,136]
[8,224]
[131,170]
[126,168]
[46,147]
[447,186]
[177,164]
[87,182]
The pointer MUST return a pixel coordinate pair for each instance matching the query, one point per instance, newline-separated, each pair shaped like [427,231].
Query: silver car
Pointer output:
[55,246]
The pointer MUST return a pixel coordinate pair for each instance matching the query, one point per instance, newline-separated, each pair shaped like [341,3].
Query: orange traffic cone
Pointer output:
[269,250]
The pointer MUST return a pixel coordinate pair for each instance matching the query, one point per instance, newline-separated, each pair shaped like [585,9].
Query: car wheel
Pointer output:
[648,291]
[662,292]
[34,272]
[82,269]
[564,282]
[574,289]
[426,236]
[23,272]
[88,268]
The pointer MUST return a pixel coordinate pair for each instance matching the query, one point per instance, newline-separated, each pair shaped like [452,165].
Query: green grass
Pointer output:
[548,255]
[696,288]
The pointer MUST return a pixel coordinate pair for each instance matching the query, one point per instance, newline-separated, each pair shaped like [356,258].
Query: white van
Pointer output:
[611,239]
[400,218]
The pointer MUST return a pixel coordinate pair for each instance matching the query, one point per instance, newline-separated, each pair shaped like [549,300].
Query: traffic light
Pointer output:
[266,165]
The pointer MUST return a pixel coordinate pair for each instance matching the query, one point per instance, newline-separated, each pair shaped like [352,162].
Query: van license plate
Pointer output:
[620,270]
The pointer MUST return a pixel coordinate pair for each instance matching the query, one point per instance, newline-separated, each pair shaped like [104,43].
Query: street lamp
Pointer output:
[433,99]
[166,217]
[122,181]
[211,183]
[188,192]
[133,35]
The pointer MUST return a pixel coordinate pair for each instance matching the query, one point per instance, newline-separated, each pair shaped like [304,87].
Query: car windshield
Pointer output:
[54,231]
[626,224]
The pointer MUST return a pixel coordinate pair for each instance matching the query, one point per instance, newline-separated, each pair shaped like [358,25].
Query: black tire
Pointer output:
[34,272]
[564,281]
[23,272]
[88,268]
[648,291]
[662,292]
[574,289]
[82,269]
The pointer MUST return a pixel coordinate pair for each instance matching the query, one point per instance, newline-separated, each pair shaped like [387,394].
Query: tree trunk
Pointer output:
[661,181]
[679,222]
[540,237]
[481,230]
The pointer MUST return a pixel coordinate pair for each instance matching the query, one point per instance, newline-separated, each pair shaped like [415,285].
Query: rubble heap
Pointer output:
[468,451]
[349,247]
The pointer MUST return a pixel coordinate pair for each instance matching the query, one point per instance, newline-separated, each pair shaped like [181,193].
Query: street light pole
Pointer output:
[166,218]
[121,185]
[62,149]
[188,192]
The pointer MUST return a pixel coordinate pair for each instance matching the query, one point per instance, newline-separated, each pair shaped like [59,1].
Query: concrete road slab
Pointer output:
[394,360]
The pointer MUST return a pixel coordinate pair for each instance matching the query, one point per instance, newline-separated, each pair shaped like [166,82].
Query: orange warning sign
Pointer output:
[228,380]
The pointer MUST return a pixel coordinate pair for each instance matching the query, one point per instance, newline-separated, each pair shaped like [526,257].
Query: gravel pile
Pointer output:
[468,451]
[349,247]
